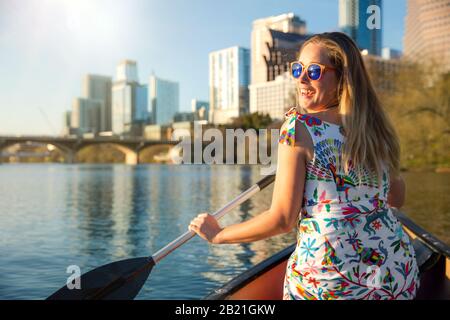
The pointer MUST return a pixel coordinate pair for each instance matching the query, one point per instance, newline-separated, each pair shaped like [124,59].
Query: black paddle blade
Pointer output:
[121,280]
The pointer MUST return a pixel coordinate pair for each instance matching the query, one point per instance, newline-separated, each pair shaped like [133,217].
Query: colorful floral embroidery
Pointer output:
[349,244]
[287,135]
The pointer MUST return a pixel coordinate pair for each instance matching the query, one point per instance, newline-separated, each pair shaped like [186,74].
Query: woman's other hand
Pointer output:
[206,226]
[397,192]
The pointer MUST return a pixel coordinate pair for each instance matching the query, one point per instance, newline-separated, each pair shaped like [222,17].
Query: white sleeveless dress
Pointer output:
[349,243]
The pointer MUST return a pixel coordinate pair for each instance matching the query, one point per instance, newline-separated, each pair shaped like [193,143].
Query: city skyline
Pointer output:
[45,65]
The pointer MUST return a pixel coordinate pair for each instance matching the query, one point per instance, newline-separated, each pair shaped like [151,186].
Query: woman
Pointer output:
[337,177]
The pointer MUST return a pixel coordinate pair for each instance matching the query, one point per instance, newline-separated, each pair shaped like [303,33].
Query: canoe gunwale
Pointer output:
[431,241]
[250,274]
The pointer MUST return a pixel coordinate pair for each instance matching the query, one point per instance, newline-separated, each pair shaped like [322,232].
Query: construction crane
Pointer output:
[44,114]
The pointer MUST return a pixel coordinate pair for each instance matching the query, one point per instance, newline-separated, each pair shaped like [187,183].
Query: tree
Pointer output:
[420,110]
[253,120]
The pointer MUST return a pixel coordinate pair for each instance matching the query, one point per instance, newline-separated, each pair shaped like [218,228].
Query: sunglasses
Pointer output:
[314,70]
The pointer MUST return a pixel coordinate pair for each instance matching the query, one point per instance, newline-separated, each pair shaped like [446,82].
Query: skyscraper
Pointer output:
[99,88]
[163,99]
[141,113]
[122,106]
[276,42]
[85,115]
[273,97]
[67,119]
[129,101]
[229,77]
[427,32]
[361,20]
[127,71]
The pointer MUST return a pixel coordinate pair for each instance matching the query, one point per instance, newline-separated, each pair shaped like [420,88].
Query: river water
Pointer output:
[56,215]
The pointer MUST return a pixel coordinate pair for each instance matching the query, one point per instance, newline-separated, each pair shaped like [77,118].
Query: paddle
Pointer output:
[124,279]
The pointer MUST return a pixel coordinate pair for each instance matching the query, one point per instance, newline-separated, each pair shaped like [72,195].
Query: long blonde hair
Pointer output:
[371,140]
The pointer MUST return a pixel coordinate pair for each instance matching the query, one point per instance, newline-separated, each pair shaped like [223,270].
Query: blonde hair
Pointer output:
[371,140]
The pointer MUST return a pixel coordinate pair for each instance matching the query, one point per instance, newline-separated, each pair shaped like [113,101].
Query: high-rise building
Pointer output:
[361,20]
[200,109]
[85,115]
[127,71]
[163,99]
[129,101]
[275,43]
[141,112]
[99,88]
[274,97]
[229,77]
[67,119]
[130,108]
[427,32]
[122,106]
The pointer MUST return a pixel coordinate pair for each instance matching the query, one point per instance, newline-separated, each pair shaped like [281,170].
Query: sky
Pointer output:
[46,46]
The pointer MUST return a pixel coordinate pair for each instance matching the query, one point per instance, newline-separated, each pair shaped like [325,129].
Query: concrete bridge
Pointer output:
[69,146]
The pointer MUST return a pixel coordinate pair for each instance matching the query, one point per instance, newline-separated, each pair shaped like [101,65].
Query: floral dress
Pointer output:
[349,243]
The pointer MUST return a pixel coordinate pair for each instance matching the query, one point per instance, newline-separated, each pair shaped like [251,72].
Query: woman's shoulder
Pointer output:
[292,112]
[293,132]
[308,119]
[303,126]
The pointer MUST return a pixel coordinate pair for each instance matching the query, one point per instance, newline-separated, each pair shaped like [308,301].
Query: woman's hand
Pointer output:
[397,192]
[206,226]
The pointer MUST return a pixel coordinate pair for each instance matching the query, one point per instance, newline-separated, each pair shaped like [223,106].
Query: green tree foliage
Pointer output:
[419,106]
[253,120]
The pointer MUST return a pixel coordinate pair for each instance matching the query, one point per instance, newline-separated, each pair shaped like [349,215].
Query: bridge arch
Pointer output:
[67,153]
[131,156]
[156,153]
[132,148]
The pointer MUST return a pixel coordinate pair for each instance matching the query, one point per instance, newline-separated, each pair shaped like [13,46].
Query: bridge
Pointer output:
[69,146]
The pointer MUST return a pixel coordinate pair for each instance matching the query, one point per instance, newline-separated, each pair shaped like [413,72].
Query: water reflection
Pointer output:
[229,260]
[427,201]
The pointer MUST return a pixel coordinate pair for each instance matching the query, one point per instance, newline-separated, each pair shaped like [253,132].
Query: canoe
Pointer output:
[264,281]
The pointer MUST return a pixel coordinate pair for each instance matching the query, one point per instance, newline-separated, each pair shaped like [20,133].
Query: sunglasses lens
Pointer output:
[296,70]
[314,71]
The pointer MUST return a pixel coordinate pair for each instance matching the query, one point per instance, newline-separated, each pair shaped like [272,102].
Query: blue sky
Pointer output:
[46,46]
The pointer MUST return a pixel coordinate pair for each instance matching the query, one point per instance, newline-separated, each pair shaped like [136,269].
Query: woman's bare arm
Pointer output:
[283,213]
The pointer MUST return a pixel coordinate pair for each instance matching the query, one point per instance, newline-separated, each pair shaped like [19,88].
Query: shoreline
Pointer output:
[403,169]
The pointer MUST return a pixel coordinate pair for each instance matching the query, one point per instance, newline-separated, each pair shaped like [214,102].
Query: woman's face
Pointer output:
[316,95]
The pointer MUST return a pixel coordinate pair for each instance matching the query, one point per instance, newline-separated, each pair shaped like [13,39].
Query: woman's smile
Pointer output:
[307,93]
